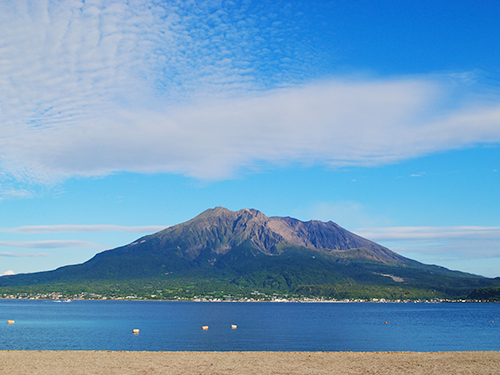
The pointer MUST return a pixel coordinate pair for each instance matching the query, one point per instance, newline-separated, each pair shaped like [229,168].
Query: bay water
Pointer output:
[261,326]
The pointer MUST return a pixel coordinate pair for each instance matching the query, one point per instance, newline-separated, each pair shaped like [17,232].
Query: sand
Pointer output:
[123,363]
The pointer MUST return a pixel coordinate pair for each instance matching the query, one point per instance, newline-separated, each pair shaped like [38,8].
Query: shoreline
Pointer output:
[119,362]
[253,301]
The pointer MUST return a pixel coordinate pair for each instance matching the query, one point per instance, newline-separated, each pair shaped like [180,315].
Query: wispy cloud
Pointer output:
[71,228]
[23,255]
[90,89]
[454,241]
[337,124]
[54,244]
[348,214]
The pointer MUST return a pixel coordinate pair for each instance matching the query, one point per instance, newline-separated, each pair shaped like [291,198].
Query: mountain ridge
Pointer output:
[266,233]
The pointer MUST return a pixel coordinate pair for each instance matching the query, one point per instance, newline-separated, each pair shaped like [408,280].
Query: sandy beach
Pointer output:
[122,363]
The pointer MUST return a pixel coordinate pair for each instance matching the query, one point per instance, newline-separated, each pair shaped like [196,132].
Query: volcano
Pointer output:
[247,249]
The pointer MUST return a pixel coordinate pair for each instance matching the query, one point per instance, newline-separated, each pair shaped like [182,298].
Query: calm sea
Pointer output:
[176,326]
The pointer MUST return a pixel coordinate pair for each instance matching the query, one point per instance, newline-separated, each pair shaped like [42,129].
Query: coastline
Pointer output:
[293,300]
[119,362]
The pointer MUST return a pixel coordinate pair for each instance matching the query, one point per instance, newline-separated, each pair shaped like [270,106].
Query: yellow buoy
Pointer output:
[234,326]
[10,322]
[135,331]
[204,328]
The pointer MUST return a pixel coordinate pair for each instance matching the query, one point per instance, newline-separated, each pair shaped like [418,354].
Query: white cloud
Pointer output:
[337,124]
[50,244]
[458,242]
[6,273]
[95,88]
[72,228]
[23,255]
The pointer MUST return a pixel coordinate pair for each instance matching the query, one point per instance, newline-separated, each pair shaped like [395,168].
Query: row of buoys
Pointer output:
[233,326]
[10,322]
[205,328]
[136,331]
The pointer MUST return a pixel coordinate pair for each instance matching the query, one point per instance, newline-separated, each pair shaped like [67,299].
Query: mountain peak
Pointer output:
[224,212]
[217,231]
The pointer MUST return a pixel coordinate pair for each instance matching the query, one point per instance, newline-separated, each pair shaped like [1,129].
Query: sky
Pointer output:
[120,118]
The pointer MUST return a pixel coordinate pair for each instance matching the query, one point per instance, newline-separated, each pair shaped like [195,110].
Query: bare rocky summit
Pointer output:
[219,230]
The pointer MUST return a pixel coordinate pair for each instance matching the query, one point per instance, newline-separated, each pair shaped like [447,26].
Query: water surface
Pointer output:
[176,326]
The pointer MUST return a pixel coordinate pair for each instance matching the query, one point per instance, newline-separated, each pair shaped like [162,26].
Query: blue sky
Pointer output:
[119,118]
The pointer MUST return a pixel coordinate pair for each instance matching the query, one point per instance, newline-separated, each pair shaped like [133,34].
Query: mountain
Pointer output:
[246,250]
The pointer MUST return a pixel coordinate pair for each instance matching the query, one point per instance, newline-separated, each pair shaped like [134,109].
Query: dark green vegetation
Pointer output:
[245,254]
[491,294]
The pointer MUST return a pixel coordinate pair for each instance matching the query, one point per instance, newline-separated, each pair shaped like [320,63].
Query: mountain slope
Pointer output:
[250,250]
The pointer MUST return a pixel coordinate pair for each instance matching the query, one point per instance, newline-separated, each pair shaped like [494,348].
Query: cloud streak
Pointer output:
[453,242]
[23,255]
[50,244]
[423,234]
[94,88]
[71,228]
